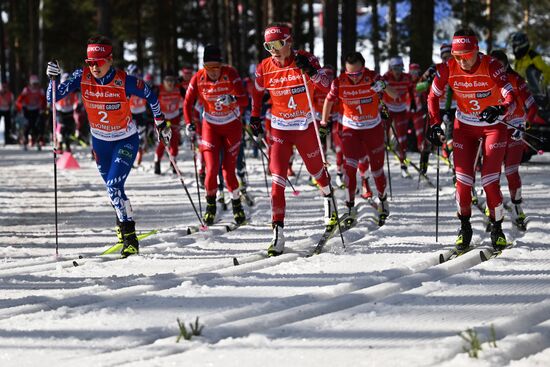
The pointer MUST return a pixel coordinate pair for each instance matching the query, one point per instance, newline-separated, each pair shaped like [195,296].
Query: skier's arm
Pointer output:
[258,92]
[190,99]
[330,100]
[20,100]
[543,67]
[238,90]
[437,89]
[500,77]
[528,101]
[137,87]
[67,87]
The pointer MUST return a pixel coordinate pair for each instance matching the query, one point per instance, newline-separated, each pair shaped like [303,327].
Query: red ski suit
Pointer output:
[291,122]
[362,132]
[485,84]
[221,126]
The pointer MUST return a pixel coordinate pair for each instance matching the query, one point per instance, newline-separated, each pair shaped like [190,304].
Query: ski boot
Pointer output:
[352,214]
[210,213]
[202,177]
[424,157]
[157,168]
[221,199]
[383,210]
[462,243]
[518,217]
[405,172]
[238,212]
[277,244]
[367,193]
[330,217]
[498,239]
[129,239]
[340,180]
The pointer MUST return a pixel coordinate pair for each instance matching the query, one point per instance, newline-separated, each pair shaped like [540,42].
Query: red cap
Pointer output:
[414,67]
[276,33]
[464,44]
[99,51]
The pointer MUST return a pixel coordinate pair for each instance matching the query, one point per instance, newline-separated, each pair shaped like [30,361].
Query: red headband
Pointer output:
[276,33]
[99,51]
[464,44]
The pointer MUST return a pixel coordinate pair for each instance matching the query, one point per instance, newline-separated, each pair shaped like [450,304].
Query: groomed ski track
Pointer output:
[385,300]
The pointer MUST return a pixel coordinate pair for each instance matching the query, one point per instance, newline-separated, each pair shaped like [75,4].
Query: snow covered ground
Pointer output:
[384,301]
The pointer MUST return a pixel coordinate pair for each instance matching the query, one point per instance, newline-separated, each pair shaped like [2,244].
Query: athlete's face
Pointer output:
[213,69]
[280,54]
[100,67]
[354,71]
[466,60]
[169,83]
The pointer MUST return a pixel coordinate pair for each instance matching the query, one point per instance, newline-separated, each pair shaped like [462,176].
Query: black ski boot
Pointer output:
[464,238]
[424,158]
[129,238]
[118,231]
[498,239]
[238,212]
[210,213]
[157,168]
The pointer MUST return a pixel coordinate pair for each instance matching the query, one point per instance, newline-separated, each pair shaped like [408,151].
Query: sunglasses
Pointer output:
[96,62]
[212,67]
[355,74]
[275,45]
[465,56]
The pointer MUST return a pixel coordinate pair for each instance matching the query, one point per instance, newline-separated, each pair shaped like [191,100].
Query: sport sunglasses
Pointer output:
[96,62]
[355,74]
[464,56]
[275,45]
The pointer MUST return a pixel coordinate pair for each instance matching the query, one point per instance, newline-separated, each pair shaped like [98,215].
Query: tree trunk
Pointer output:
[349,28]
[3,63]
[259,12]
[297,24]
[330,32]
[139,38]
[104,18]
[422,28]
[490,17]
[375,36]
[311,29]
[32,47]
[15,56]
[392,31]
[243,26]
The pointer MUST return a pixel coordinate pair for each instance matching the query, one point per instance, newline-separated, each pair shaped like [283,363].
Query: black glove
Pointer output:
[303,63]
[256,125]
[384,113]
[163,130]
[323,131]
[436,135]
[491,113]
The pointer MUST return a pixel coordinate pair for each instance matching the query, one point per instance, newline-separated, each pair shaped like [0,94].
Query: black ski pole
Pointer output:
[54,142]
[437,200]
[388,155]
[325,164]
[194,147]
[299,172]
[175,166]
[294,191]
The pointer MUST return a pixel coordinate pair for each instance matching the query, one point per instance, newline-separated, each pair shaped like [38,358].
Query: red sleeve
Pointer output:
[324,76]
[437,90]
[43,102]
[498,74]
[258,92]
[333,94]
[238,89]
[412,90]
[190,98]
[21,99]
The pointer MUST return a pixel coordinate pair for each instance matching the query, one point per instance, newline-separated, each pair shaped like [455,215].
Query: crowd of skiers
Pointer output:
[475,106]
